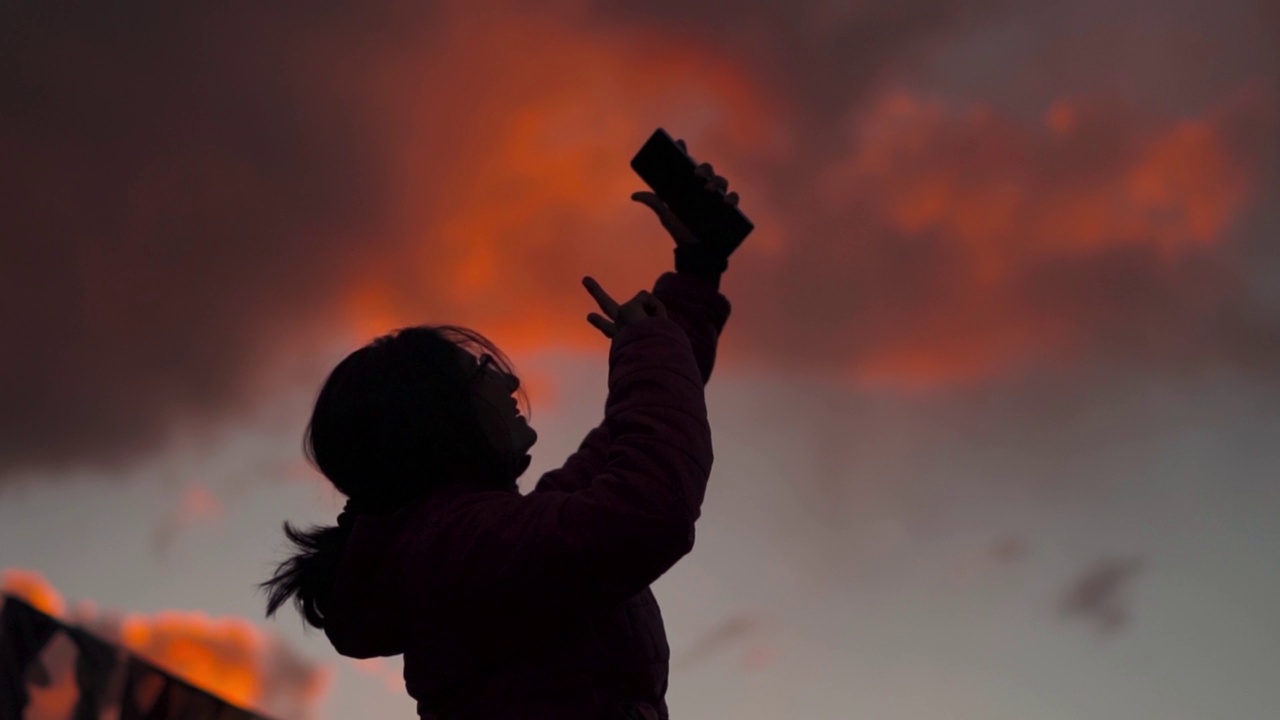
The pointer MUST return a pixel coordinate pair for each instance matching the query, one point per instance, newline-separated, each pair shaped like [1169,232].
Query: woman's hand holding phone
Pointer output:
[678,230]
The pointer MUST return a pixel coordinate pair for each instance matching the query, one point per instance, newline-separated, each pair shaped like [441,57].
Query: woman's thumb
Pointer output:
[647,198]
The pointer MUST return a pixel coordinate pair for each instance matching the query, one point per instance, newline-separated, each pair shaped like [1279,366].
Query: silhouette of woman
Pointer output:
[506,605]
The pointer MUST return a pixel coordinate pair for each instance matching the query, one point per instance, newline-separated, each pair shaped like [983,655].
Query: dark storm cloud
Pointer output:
[180,181]
[822,57]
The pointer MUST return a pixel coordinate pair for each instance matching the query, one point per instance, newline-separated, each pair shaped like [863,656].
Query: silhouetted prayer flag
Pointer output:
[147,692]
[143,688]
[173,702]
[24,631]
[204,706]
[96,665]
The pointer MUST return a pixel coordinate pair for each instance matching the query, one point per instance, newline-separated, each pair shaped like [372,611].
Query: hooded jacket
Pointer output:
[538,606]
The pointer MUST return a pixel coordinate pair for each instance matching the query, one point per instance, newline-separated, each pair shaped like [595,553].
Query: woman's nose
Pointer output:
[513,383]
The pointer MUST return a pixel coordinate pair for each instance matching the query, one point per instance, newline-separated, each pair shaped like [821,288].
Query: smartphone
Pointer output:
[669,171]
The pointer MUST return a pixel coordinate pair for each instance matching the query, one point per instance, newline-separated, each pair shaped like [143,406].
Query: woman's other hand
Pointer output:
[643,305]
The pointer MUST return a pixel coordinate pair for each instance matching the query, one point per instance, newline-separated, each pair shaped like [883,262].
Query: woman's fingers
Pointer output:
[645,197]
[606,303]
[732,199]
[707,171]
[670,222]
[603,325]
[711,181]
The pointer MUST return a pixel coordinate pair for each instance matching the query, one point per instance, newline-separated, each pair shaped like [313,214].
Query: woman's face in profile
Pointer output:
[494,391]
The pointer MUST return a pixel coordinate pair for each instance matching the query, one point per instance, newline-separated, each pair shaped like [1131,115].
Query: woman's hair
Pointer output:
[394,420]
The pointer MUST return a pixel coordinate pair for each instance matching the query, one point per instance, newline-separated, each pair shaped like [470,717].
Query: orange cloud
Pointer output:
[35,589]
[527,182]
[229,657]
[977,205]
[462,162]
[1001,190]
[218,655]
[515,179]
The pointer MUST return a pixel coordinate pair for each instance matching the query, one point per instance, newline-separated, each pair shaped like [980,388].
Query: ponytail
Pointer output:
[308,576]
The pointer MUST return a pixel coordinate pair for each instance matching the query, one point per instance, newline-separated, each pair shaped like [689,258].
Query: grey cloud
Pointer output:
[1100,595]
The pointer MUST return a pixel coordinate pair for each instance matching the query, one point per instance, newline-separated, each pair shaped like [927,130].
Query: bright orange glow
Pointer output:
[32,587]
[228,657]
[516,179]
[222,656]
[1008,199]
[1186,187]
[510,182]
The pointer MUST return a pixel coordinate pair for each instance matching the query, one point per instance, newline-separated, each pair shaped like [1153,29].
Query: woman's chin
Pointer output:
[523,439]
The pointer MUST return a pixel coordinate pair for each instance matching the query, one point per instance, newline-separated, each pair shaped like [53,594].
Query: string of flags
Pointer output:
[147,693]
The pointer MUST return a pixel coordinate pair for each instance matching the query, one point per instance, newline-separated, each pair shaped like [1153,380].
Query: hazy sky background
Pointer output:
[996,414]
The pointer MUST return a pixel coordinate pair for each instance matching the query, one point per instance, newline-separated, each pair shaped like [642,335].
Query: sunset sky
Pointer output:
[996,414]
